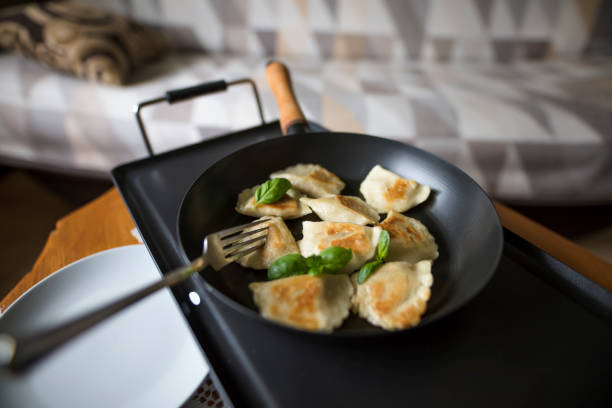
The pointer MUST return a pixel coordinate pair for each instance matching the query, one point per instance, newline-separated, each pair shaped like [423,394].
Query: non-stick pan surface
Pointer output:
[458,213]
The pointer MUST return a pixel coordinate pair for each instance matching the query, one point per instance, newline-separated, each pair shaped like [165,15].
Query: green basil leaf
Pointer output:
[318,270]
[315,265]
[328,261]
[367,270]
[286,266]
[271,191]
[314,261]
[383,245]
[335,258]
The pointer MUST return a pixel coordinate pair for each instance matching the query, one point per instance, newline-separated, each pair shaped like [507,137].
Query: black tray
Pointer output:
[539,334]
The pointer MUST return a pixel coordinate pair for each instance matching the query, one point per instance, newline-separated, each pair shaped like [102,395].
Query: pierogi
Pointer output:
[311,179]
[320,235]
[279,242]
[341,208]
[288,207]
[410,239]
[386,191]
[317,303]
[395,296]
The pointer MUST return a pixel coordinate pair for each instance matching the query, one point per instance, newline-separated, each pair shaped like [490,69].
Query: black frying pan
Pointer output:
[458,213]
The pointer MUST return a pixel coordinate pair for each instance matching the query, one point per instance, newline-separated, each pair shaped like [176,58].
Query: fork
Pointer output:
[218,250]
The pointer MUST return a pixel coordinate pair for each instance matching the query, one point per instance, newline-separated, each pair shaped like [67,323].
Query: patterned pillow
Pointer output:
[81,39]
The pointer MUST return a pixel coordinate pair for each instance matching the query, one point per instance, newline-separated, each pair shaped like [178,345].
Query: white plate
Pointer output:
[145,356]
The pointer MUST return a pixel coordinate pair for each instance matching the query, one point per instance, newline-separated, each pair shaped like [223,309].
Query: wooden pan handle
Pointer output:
[292,119]
[571,254]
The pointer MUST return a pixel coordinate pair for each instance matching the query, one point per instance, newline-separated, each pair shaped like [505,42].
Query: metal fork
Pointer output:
[218,250]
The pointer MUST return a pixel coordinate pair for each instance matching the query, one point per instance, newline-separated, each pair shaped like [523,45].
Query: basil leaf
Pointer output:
[381,253]
[335,258]
[383,245]
[367,270]
[315,265]
[314,261]
[330,260]
[286,266]
[319,270]
[271,191]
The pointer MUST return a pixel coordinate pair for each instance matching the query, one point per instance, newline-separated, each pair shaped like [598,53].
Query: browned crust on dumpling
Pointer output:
[324,176]
[301,295]
[317,303]
[340,208]
[318,236]
[391,298]
[410,239]
[355,240]
[286,202]
[395,296]
[279,242]
[385,191]
[358,206]
[398,189]
[287,207]
[334,228]
[399,229]
[311,179]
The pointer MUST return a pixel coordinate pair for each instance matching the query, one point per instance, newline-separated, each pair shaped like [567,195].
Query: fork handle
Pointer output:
[19,354]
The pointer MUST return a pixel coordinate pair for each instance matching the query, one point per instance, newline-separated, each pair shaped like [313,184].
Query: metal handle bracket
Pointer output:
[179,95]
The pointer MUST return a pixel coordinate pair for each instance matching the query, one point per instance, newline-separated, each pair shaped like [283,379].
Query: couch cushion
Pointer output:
[527,132]
[81,39]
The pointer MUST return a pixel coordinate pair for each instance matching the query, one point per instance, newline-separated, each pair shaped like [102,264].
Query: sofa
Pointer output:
[518,94]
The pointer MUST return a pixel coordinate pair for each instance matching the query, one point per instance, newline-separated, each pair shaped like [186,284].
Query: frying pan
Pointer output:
[458,213]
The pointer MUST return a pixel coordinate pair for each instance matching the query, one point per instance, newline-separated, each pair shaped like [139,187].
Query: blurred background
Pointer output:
[516,93]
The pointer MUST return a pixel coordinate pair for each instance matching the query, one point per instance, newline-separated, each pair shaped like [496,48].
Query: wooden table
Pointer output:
[105,223]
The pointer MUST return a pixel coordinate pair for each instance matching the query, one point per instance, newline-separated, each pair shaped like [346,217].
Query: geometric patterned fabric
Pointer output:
[530,132]
[383,30]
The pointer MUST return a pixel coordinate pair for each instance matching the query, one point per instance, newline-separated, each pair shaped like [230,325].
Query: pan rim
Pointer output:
[348,335]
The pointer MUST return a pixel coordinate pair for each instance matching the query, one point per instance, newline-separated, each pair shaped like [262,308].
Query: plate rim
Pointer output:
[71,264]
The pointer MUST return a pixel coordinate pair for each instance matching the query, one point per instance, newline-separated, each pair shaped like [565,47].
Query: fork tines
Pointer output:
[239,238]
[233,230]
[234,244]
